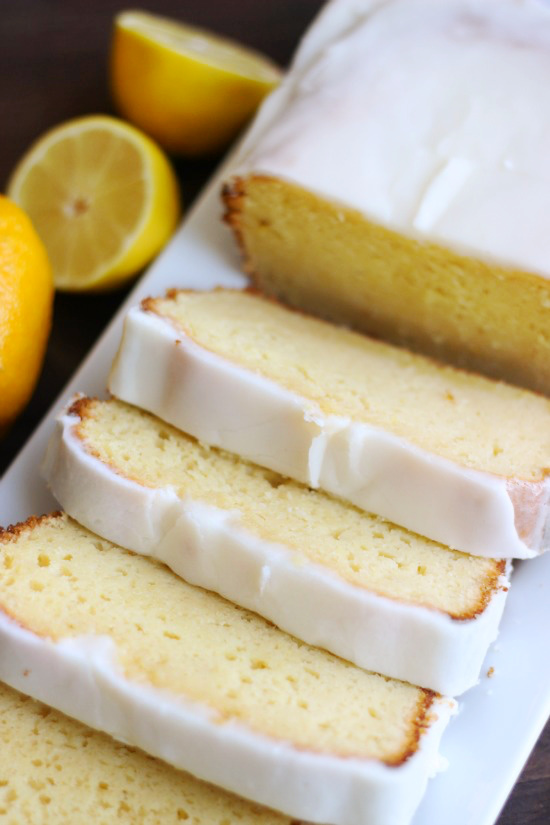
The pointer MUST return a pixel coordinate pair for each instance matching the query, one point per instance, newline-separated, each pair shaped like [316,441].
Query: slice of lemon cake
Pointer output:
[55,770]
[453,456]
[321,569]
[398,180]
[119,642]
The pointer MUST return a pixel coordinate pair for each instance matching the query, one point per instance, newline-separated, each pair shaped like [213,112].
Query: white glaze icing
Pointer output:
[80,677]
[208,547]
[424,104]
[164,371]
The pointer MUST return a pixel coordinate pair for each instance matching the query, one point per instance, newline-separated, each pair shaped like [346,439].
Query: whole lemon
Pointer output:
[26,297]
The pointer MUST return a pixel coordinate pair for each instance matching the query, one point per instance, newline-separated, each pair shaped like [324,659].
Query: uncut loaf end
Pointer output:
[398,180]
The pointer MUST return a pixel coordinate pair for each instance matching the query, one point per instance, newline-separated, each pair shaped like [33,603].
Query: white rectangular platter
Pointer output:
[499,721]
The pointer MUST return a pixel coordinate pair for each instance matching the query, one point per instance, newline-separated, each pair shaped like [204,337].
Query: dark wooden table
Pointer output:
[53,65]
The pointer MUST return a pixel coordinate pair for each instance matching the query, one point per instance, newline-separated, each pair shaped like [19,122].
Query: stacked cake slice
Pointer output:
[453,456]
[351,582]
[140,651]
[326,724]
[119,642]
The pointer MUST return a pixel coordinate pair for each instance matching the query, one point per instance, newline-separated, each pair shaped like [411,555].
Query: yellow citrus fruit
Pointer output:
[102,196]
[26,293]
[189,89]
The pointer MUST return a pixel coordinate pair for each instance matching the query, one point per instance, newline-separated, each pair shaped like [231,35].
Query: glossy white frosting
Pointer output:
[430,117]
[80,677]
[208,547]
[162,370]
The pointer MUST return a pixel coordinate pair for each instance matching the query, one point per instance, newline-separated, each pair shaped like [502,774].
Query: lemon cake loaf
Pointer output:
[120,643]
[398,180]
[453,456]
[55,770]
[373,593]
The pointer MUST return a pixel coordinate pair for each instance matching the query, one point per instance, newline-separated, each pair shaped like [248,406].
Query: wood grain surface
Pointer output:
[54,66]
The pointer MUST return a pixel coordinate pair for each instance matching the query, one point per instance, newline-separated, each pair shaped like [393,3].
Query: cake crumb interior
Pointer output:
[331,260]
[363,549]
[54,769]
[476,422]
[61,581]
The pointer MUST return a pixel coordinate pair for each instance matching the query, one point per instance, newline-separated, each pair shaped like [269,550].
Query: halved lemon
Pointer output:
[102,196]
[191,90]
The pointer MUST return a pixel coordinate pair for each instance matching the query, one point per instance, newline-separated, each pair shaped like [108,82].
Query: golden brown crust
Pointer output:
[81,406]
[151,303]
[420,722]
[424,719]
[148,304]
[232,195]
[490,587]
[15,531]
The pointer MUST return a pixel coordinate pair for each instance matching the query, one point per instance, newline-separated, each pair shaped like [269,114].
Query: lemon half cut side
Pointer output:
[102,196]
[188,88]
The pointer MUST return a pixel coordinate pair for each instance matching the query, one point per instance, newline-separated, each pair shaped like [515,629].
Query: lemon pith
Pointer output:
[103,197]
[189,89]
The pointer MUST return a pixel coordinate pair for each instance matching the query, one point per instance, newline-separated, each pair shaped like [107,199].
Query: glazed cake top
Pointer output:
[429,116]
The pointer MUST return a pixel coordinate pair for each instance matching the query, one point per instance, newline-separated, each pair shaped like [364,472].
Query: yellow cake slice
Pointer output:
[330,574]
[55,770]
[122,644]
[399,180]
[456,457]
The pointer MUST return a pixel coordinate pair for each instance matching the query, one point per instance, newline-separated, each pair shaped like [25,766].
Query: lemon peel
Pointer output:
[26,296]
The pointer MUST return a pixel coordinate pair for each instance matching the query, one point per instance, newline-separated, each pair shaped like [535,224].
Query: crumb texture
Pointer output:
[60,581]
[476,422]
[363,549]
[328,259]
[55,771]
